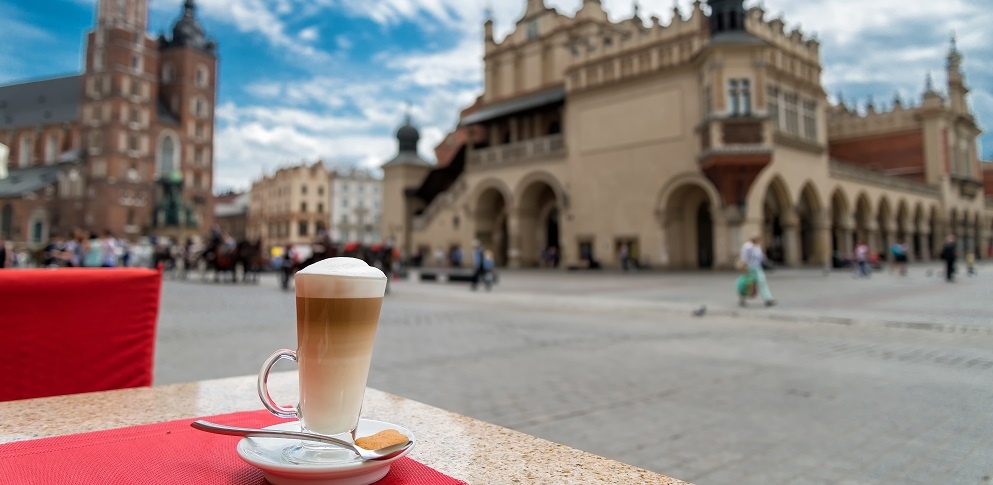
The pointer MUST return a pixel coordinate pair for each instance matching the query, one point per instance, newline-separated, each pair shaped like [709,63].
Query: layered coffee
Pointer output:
[338,304]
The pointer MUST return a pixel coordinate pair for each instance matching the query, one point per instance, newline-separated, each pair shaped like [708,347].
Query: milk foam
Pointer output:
[340,278]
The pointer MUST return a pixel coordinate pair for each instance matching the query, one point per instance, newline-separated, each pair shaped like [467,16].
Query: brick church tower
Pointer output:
[147,119]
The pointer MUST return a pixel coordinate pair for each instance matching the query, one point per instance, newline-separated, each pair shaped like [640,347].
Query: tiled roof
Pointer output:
[41,102]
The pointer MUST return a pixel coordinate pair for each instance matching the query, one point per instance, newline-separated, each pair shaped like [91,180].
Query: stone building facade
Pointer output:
[356,206]
[102,148]
[681,141]
[290,206]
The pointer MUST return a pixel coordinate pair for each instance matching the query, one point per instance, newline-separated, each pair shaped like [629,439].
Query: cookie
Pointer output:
[382,440]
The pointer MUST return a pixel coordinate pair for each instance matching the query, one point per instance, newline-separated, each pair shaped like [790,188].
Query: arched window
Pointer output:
[200,108]
[51,148]
[167,155]
[202,76]
[24,154]
[168,73]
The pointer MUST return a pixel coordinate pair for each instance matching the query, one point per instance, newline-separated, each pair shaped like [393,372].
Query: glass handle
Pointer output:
[276,409]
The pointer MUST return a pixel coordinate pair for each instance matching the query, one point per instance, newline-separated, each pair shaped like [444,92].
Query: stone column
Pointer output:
[873,237]
[719,233]
[513,239]
[908,240]
[731,238]
[791,239]
[926,242]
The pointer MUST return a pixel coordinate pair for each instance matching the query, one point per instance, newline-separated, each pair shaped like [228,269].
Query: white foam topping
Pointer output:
[340,278]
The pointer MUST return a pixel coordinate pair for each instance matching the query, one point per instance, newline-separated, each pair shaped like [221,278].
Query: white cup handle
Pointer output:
[276,409]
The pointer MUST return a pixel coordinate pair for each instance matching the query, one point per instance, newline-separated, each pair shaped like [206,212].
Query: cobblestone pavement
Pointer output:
[615,365]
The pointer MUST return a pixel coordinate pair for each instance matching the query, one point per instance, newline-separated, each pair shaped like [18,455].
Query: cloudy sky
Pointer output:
[308,79]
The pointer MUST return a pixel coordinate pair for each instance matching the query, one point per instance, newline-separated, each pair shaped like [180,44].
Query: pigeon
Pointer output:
[700,311]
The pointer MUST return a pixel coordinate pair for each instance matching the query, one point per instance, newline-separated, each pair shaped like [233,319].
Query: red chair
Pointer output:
[74,330]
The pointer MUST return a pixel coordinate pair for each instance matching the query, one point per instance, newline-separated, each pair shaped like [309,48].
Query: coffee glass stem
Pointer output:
[267,401]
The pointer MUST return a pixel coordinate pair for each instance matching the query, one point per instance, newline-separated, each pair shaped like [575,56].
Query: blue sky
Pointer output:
[308,79]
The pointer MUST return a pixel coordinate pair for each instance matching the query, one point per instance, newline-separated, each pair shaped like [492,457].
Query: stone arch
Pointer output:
[687,210]
[779,221]
[168,143]
[490,215]
[540,176]
[491,183]
[538,207]
[809,211]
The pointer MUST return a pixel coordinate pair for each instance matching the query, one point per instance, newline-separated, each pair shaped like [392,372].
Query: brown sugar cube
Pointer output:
[382,440]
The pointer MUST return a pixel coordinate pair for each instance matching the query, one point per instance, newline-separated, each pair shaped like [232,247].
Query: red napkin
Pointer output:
[171,452]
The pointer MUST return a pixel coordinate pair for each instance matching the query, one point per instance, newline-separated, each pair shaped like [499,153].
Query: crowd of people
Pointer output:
[753,262]
[81,250]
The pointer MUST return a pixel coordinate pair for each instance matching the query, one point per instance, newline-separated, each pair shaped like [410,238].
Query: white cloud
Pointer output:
[351,119]
[310,34]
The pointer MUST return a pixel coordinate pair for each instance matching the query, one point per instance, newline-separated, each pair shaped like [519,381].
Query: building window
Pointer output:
[198,132]
[344,219]
[200,108]
[320,208]
[302,229]
[810,119]
[303,207]
[198,157]
[167,156]
[320,190]
[133,115]
[532,29]
[98,60]
[201,76]
[132,143]
[136,63]
[24,153]
[733,96]
[344,187]
[772,106]
[792,117]
[303,190]
[746,97]
[344,203]
[51,148]
[168,73]
[740,97]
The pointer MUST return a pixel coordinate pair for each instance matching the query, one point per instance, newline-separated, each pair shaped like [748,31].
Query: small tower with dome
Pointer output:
[404,171]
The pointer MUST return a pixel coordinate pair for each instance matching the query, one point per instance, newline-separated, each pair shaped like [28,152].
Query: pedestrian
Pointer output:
[625,256]
[753,258]
[478,271]
[108,250]
[899,250]
[949,253]
[488,269]
[862,260]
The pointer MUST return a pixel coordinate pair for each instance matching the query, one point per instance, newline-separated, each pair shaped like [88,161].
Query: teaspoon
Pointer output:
[364,454]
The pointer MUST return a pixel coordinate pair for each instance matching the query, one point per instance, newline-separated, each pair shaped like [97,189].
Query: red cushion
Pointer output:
[73,330]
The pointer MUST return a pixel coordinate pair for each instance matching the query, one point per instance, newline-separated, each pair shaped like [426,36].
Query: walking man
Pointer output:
[478,268]
[753,257]
[949,253]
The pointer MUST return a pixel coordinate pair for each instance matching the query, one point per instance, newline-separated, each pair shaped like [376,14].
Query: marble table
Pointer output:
[470,450]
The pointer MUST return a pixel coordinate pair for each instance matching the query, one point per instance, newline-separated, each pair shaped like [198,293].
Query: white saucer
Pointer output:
[266,454]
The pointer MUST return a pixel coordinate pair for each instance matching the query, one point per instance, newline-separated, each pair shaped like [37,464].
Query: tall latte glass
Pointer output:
[338,301]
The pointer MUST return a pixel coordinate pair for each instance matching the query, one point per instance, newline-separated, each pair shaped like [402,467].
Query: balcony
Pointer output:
[552,146]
